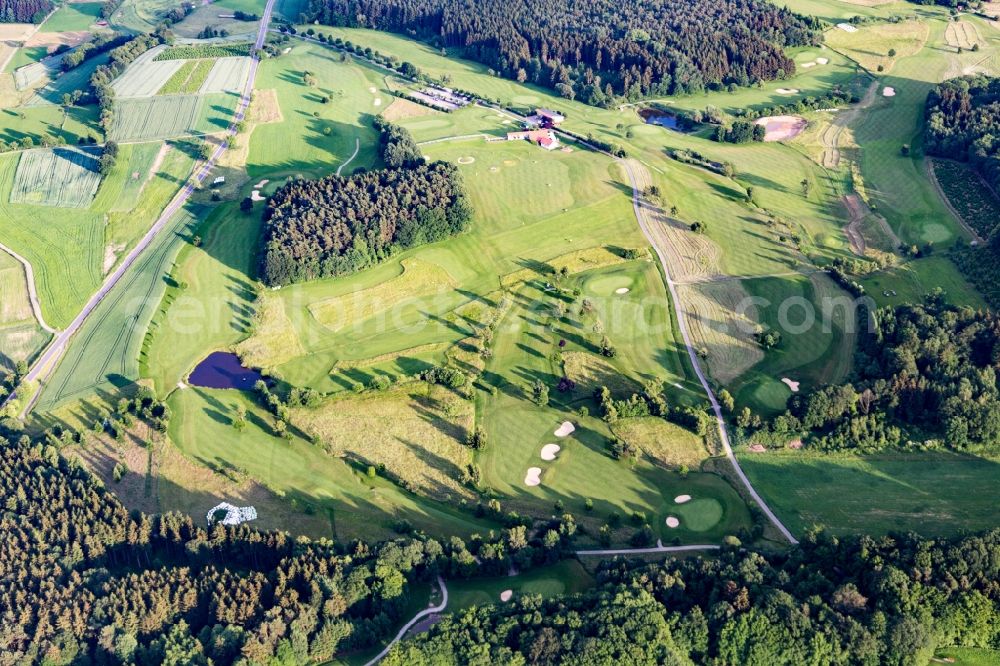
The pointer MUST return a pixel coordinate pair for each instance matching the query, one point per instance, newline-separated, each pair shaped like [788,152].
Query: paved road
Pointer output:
[657,240]
[29,275]
[46,363]
[416,618]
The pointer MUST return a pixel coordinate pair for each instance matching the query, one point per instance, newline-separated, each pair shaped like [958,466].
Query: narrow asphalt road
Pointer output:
[29,276]
[416,618]
[46,363]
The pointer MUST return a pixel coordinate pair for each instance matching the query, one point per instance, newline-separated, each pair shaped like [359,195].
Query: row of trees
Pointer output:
[119,58]
[926,375]
[335,225]
[891,600]
[599,51]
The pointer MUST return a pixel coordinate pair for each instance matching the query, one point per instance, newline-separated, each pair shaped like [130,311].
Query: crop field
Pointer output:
[972,199]
[227,75]
[870,44]
[188,79]
[20,335]
[169,116]
[145,75]
[204,51]
[65,177]
[934,494]
[73,16]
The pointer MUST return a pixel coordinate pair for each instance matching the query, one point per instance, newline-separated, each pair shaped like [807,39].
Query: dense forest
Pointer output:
[926,376]
[24,11]
[335,225]
[598,50]
[891,600]
[962,119]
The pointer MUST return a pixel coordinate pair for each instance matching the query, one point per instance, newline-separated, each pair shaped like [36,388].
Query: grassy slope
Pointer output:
[73,16]
[20,335]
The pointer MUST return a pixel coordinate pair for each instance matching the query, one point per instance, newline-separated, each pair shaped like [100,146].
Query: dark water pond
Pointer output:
[668,120]
[223,370]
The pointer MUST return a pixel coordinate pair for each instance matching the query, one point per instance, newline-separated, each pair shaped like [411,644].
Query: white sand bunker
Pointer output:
[888,91]
[372,90]
[786,91]
[468,159]
[672,522]
[847,27]
[549,451]
[262,183]
[682,499]
[822,61]
[533,477]
[378,101]
[791,384]
[621,290]
[565,429]
[807,65]
[506,595]
[255,196]
[494,169]
[781,128]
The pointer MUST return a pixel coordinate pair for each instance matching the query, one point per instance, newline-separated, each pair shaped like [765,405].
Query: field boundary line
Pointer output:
[409,625]
[29,276]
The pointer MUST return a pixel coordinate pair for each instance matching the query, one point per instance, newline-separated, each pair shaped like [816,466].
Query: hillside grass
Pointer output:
[933,494]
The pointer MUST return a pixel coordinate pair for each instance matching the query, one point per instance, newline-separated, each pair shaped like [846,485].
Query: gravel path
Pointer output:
[29,275]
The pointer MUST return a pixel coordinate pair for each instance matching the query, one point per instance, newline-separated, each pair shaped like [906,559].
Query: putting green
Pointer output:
[700,515]
[608,284]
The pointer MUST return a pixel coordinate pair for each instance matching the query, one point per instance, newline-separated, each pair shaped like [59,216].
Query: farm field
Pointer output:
[227,75]
[20,336]
[934,494]
[188,79]
[65,177]
[73,16]
[171,116]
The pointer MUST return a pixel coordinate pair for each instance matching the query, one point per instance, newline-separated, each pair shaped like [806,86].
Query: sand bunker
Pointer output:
[681,499]
[262,183]
[533,477]
[466,160]
[549,451]
[672,522]
[506,595]
[510,162]
[822,61]
[372,90]
[621,290]
[565,429]
[255,196]
[847,27]
[888,91]
[378,101]
[786,91]
[807,65]
[494,169]
[757,448]
[793,385]
[781,128]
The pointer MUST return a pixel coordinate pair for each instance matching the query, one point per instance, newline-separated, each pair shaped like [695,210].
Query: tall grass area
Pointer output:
[20,335]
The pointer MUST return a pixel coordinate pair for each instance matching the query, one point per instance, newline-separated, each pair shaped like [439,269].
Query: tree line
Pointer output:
[861,600]
[335,225]
[119,58]
[24,11]
[603,51]
[926,376]
[962,119]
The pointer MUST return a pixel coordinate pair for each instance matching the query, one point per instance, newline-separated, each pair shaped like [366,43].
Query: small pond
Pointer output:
[223,370]
[663,119]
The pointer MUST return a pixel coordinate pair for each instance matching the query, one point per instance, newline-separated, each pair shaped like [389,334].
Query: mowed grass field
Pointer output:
[914,280]
[564,577]
[870,45]
[934,494]
[73,16]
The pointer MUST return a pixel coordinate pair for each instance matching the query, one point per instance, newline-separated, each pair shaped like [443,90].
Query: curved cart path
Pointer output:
[409,625]
[44,365]
[29,275]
